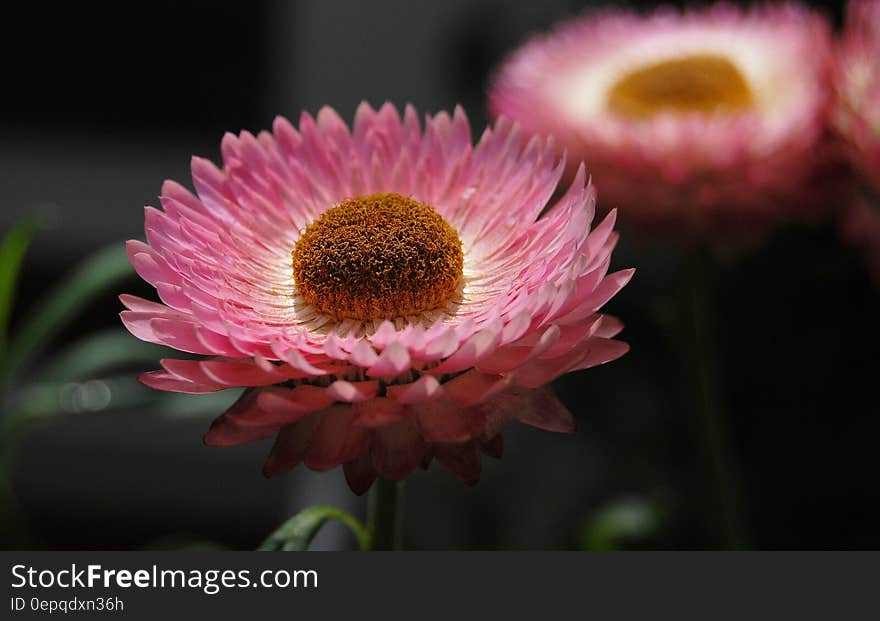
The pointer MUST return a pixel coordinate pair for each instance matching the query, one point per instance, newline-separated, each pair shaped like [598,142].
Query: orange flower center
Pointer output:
[700,83]
[378,257]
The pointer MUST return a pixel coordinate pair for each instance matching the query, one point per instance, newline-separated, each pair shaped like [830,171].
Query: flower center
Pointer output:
[700,83]
[377,257]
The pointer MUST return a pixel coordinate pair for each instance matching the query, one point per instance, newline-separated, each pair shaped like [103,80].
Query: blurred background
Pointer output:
[99,107]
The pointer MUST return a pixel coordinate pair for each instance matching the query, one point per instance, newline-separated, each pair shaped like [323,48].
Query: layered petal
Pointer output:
[379,395]
[706,122]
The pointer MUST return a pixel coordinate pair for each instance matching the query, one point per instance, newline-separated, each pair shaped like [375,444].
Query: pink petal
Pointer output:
[601,351]
[544,410]
[363,355]
[426,388]
[134,303]
[477,347]
[393,361]
[138,323]
[352,392]
[148,264]
[239,373]
[378,412]
[608,327]
[161,380]
[607,289]
[473,387]
[181,335]
[294,358]
[295,402]
[384,336]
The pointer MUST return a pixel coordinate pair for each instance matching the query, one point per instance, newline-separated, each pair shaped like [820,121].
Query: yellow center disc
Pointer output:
[701,83]
[378,257]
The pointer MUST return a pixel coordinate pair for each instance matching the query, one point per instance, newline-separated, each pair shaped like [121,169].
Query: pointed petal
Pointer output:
[378,412]
[397,449]
[462,460]
[291,445]
[359,473]
[545,411]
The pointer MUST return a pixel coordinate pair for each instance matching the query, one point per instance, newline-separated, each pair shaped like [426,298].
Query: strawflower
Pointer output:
[386,294]
[706,122]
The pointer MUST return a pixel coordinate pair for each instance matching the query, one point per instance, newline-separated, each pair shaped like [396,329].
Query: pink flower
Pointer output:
[706,122]
[856,118]
[387,294]
[857,87]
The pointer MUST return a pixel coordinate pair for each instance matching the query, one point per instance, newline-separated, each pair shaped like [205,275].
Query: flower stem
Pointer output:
[385,515]
[721,476]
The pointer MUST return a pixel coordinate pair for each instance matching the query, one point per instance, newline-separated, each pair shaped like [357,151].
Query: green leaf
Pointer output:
[90,279]
[297,533]
[179,405]
[99,352]
[12,251]
[47,400]
[621,522]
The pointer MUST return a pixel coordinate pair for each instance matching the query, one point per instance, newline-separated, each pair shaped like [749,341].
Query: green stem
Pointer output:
[296,534]
[385,515]
[722,480]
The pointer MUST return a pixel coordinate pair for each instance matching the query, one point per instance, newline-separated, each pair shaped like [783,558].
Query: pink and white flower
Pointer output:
[857,87]
[346,379]
[856,119]
[705,121]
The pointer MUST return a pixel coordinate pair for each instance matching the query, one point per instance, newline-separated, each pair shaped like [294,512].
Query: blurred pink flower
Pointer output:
[313,269]
[707,121]
[856,118]
[856,114]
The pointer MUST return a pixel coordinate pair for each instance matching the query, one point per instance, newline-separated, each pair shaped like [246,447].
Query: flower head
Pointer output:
[387,294]
[702,121]
[856,118]
[856,114]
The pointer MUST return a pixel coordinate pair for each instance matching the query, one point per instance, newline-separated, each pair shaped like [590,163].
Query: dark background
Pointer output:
[98,107]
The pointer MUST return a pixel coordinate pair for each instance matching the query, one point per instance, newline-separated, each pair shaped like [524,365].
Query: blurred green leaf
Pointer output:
[99,352]
[297,533]
[179,405]
[45,400]
[12,250]
[90,279]
[623,521]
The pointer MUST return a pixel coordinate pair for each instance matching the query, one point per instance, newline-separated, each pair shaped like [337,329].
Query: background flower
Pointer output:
[856,117]
[856,114]
[707,120]
[354,380]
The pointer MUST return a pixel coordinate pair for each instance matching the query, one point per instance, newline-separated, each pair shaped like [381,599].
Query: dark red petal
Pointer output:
[359,473]
[225,432]
[443,421]
[335,440]
[397,449]
[227,429]
[493,447]
[462,460]
[291,445]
